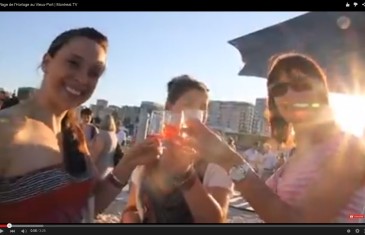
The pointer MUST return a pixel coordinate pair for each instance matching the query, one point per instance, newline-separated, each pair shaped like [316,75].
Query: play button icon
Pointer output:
[1,231]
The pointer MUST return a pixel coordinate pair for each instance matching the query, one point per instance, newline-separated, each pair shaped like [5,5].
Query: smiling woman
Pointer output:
[45,165]
[349,112]
[324,179]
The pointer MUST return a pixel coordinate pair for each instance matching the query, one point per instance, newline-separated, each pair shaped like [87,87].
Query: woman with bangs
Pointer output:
[178,189]
[324,180]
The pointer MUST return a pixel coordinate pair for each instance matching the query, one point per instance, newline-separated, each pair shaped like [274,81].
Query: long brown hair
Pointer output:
[289,64]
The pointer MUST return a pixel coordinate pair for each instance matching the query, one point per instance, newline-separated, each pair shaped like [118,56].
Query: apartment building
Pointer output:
[231,116]
[261,125]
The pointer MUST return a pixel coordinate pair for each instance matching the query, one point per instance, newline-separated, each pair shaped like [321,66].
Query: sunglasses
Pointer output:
[281,88]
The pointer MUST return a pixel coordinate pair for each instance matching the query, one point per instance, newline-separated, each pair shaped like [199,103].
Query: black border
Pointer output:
[182,5]
[111,229]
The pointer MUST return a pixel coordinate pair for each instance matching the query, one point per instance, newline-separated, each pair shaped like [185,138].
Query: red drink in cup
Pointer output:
[170,131]
[164,124]
[172,124]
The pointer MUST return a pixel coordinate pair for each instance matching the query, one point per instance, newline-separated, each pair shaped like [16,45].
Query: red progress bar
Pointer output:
[3,226]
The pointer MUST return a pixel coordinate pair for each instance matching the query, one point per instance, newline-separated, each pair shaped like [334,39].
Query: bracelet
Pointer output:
[111,178]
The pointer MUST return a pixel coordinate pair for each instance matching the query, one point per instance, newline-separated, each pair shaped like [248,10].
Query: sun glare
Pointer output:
[349,111]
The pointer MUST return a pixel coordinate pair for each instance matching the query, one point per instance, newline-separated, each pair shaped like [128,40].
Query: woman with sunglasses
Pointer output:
[179,188]
[324,180]
[46,175]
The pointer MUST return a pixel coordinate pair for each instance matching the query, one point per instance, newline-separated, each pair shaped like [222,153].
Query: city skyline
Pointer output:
[146,50]
[345,108]
[232,117]
[351,121]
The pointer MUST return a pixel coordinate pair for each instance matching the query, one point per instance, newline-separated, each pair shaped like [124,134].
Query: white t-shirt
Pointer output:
[122,136]
[269,161]
[253,157]
[215,176]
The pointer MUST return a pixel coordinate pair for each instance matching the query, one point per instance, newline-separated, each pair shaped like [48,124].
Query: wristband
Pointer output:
[111,178]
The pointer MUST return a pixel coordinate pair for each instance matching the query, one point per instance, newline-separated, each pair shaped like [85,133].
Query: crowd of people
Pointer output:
[7,100]
[62,171]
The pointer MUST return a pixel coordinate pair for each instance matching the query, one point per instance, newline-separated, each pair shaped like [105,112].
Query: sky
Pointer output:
[146,50]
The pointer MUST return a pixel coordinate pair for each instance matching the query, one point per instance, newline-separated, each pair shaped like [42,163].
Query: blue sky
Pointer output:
[146,50]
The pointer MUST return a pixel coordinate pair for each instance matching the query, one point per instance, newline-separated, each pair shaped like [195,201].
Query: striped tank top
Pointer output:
[47,195]
[296,180]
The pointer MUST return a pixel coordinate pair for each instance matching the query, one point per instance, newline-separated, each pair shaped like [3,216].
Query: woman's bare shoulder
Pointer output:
[12,121]
[16,114]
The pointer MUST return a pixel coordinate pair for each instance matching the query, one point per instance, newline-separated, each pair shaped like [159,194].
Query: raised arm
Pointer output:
[345,169]
[314,206]
[108,188]
[130,212]
[208,201]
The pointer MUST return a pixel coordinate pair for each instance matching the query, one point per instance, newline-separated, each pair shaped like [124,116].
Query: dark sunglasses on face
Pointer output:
[281,88]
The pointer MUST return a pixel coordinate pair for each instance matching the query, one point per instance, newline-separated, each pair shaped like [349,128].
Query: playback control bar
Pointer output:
[111,229]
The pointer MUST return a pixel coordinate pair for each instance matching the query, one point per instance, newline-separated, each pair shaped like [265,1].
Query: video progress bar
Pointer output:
[27,226]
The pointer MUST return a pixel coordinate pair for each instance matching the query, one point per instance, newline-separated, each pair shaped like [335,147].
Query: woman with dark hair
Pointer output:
[324,180]
[46,175]
[179,189]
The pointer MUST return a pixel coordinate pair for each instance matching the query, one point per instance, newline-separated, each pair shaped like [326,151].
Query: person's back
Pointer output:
[104,145]
[105,161]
